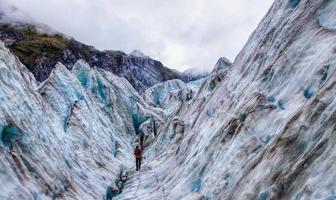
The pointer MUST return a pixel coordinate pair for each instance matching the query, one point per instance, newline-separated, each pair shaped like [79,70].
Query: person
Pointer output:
[138,157]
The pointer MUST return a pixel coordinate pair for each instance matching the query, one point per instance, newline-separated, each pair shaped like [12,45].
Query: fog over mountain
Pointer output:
[174,32]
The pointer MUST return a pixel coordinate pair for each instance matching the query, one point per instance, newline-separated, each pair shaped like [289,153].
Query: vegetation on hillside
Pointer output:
[32,45]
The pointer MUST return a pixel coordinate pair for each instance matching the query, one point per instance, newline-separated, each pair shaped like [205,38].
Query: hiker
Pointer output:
[138,157]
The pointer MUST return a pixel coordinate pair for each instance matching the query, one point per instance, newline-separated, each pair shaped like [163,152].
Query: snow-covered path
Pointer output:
[144,185]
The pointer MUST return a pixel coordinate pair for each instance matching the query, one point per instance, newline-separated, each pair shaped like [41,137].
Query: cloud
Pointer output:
[180,33]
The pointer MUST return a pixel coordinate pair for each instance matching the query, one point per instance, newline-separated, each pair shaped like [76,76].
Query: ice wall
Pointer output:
[69,137]
[260,128]
[264,127]
[170,94]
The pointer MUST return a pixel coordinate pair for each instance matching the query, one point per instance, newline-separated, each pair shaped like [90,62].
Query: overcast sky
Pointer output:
[180,33]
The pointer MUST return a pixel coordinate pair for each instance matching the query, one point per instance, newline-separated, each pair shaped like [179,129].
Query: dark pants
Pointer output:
[138,163]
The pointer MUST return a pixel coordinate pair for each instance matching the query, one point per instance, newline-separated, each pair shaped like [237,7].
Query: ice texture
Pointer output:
[326,15]
[261,128]
[68,138]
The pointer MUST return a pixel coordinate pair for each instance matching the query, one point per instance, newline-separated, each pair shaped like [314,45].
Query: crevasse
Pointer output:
[262,127]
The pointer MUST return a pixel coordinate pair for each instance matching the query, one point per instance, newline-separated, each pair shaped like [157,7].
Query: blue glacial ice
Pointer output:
[262,127]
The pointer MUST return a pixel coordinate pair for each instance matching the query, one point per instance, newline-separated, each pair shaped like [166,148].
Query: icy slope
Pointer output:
[171,92]
[68,138]
[260,128]
[264,127]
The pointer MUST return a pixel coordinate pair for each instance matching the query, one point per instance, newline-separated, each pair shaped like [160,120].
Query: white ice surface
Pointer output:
[261,128]
[76,131]
[326,15]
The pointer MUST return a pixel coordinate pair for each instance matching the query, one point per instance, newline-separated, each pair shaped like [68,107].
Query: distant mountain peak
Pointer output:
[40,47]
[138,53]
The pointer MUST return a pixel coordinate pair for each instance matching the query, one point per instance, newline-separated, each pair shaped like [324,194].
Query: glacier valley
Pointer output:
[260,128]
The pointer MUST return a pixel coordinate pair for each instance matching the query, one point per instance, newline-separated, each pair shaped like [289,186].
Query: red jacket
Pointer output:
[138,153]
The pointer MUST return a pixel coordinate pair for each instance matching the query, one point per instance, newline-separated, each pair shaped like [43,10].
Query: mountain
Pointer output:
[40,47]
[262,127]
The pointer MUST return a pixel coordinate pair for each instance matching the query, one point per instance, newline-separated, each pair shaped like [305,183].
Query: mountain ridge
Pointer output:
[41,51]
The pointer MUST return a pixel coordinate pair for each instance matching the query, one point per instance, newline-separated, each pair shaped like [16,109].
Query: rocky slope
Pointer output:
[40,47]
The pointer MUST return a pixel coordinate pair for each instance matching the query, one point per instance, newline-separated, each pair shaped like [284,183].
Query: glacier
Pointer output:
[69,137]
[262,127]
